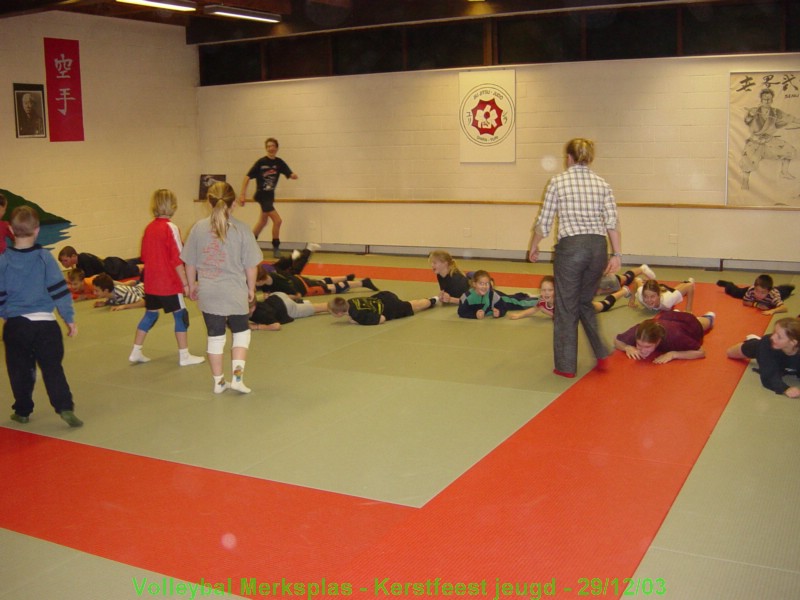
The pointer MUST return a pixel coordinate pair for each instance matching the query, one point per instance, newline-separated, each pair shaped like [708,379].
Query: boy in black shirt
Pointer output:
[378,308]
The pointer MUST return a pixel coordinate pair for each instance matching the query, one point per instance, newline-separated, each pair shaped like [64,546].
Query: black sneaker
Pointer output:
[367,283]
[70,418]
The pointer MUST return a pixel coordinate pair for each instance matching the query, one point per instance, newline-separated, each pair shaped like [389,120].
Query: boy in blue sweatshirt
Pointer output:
[31,287]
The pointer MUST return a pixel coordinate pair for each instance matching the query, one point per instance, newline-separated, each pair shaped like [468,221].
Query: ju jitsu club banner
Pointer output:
[487,114]
[764,139]
[64,101]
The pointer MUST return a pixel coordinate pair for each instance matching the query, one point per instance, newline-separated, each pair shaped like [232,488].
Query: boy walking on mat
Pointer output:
[31,287]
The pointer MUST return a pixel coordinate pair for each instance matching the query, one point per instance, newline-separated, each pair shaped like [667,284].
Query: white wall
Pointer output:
[140,121]
[660,127]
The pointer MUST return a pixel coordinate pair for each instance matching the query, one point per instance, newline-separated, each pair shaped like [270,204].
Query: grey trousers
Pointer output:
[577,267]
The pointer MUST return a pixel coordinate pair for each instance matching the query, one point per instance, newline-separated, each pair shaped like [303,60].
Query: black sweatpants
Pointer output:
[29,343]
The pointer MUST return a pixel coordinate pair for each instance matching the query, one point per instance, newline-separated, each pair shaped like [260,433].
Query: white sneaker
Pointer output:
[626,291]
[711,317]
[648,272]
[311,246]
[295,254]
[138,358]
[191,360]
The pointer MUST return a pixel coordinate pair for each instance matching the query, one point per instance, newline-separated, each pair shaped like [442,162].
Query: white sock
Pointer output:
[220,385]
[237,381]
[137,356]
[188,359]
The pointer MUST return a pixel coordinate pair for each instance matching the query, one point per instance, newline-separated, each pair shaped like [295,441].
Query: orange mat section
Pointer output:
[511,281]
[577,493]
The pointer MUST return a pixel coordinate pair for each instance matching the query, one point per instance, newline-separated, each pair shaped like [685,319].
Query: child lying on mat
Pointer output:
[547,296]
[777,354]
[657,296]
[378,308]
[81,287]
[670,335]
[762,295]
[298,286]
[613,282]
[279,309]
[452,282]
[482,300]
[118,295]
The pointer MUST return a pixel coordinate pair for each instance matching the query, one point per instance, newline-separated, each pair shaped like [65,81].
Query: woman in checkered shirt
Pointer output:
[587,215]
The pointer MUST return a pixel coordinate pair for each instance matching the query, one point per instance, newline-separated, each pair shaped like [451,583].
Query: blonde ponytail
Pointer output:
[221,198]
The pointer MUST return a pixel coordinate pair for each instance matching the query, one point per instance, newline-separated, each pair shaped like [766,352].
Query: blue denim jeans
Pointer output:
[577,267]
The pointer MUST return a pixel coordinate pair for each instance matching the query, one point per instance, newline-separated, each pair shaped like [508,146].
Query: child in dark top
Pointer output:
[452,282]
[279,309]
[298,286]
[378,308]
[267,171]
[5,229]
[670,335]
[777,354]
[31,287]
[91,265]
[483,300]
[763,294]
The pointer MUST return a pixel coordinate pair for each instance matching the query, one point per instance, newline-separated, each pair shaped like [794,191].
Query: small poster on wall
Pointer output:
[29,108]
[487,114]
[764,139]
[206,181]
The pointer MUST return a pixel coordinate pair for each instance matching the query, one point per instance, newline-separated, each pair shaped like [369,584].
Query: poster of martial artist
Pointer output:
[764,139]
[487,114]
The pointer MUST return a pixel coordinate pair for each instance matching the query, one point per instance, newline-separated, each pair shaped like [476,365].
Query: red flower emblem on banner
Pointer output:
[487,117]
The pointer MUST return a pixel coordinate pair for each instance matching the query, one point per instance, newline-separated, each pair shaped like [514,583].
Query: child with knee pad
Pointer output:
[165,282]
[221,256]
[547,296]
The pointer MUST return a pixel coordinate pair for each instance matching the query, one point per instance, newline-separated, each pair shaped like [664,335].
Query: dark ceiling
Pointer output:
[311,16]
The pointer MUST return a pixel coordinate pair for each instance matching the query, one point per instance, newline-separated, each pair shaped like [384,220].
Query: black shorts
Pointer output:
[267,202]
[750,347]
[393,307]
[215,324]
[168,304]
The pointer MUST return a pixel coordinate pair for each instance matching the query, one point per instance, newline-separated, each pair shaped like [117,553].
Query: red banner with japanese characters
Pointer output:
[64,102]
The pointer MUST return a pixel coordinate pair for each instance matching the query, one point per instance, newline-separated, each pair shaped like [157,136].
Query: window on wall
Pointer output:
[631,34]
[691,29]
[793,27]
[230,63]
[445,46]
[549,38]
[371,51]
[308,56]
[732,29]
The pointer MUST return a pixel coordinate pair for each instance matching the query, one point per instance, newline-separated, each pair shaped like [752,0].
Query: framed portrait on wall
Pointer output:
[764,139]
[29,109]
